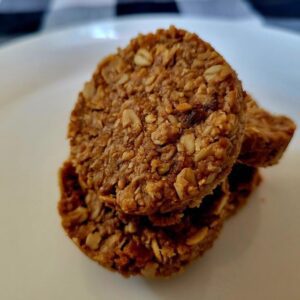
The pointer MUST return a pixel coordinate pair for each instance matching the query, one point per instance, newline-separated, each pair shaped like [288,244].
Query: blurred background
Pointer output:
[21,17]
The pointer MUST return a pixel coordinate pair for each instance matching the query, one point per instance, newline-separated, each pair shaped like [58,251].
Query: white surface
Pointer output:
[258,253]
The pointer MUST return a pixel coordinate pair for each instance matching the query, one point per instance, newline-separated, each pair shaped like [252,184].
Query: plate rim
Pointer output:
[26,40]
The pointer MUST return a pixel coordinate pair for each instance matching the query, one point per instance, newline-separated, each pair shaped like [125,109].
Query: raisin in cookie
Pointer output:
[159,125]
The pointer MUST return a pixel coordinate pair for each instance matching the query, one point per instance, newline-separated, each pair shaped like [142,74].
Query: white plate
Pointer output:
[258,253]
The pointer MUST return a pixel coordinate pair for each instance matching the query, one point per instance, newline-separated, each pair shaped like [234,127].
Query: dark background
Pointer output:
[282,13]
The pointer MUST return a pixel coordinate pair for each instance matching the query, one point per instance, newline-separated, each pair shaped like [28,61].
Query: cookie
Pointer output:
[131,245]
[242,182]
[266,136]
[159,125]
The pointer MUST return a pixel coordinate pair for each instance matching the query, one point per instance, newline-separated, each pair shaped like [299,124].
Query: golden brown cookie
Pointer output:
[131,245]
[266,136]
[159,125]
[242,181]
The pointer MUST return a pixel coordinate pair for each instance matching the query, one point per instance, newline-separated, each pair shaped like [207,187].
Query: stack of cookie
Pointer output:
[165,145]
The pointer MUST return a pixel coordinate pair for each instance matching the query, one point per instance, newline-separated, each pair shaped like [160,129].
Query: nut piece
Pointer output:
[130,228]
[94,205]
[183,107]
[163,168]
[168,152]
[203,153]
[172,120]
[186,184]
[121,183]
[89,90]
[210,178]
[93,240]
[127,155]
[153,189]
[111,242]
[96,101]
[156,250]
[150,118]
[198,237]
[130,118]
[211,72]
[111,70]
[150,270]
[143,58]
[188,141]
[123,79]
[109,200]
[77,216]
[164,133]
[219,208]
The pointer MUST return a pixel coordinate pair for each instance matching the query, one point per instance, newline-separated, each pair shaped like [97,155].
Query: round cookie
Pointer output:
[131,245]
[159,125]
[242,181]
[266,136]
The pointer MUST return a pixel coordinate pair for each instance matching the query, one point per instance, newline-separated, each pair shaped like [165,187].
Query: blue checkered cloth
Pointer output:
[19,17]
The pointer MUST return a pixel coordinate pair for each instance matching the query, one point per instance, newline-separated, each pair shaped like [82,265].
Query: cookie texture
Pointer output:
[266,136]
[132,245]
[242,182]
[159,125]
[165,146]
[265,140]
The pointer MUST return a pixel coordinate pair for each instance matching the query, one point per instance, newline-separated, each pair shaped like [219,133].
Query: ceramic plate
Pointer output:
[258,253]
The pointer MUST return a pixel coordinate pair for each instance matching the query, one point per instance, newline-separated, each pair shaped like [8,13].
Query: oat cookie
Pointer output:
[159,125]
[131,245]
[266,136]
[242,181]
